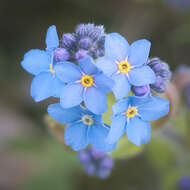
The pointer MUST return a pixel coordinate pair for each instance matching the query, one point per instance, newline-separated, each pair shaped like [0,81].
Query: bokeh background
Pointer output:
[30,157]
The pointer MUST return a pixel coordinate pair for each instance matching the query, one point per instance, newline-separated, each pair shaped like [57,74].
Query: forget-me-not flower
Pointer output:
[84,83]
[125,63]
[83,127]
[132,115]
[41,64]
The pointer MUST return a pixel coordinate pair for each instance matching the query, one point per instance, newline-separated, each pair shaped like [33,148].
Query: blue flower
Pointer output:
[126,64]
[41,64]
[132,115]
[83,127]
[84,83]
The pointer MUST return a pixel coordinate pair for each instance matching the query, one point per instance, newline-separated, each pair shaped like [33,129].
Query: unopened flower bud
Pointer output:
[68,40]
[97,32]
[107,162]
[140,90]
[85,43]
[162,72]
[61,54]
[83,157]
[81,54]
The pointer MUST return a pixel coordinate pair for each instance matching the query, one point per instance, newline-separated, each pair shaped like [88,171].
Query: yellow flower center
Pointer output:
[51,68]
[87,80]
[87,120]
[131,112]
[124,67]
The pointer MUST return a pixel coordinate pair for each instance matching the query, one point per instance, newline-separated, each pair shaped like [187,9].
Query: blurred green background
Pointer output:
[30,158]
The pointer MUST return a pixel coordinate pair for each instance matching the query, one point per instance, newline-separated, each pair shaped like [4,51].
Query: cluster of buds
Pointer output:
[95,162]
[87,39]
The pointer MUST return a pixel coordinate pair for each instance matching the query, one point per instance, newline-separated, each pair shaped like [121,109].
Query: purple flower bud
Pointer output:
[103,173]
[81,54]
[61,54]
[140,90]
[95,162]
[184,183]
[165,74]
[159,81]
[107,163]
[157,67]
[101,43]
[83,29]
[85,43]
[153,61]
[84,157]
[97,32]
[96,154]
[68,40]
[90,168]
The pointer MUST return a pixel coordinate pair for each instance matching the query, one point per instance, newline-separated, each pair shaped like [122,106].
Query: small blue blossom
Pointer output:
[83,127]
[41,64]
[126,64]
[132,115]
[84,83]
[95,162]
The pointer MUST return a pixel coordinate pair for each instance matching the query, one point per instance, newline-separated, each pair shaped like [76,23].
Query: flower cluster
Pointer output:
[95,162]
[86,40]
[81,69]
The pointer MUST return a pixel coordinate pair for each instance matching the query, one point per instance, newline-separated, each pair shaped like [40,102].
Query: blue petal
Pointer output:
[97,137]
[45,85]
[121,106]
[72,95]
[138,131]
[121,87]
[103,82]
[67,72]
[57,87]
[36,61]
[87,66]
[116,47]
[95,100]
[52,40]
[139,52]
[76,136]
[108,66]
[117,129]
[62,115]
[138,101]
[142,76]
[154,109]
